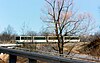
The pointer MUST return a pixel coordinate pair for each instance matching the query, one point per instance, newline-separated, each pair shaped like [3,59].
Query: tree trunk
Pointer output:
[62,43]
[56,30]
[60,40]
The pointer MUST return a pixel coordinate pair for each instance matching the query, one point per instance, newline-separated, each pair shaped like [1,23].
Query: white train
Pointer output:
[41,39]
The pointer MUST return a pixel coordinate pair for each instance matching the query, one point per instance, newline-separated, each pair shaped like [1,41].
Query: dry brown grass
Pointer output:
[42,47]
[93,48]
[74,47]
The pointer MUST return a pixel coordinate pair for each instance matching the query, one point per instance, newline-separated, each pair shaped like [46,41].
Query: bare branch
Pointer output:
[65,20]
[66,13]
[59,13]
[49,3]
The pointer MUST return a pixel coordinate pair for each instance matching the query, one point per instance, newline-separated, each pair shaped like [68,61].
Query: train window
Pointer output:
[67,38]
[29,38]
[17,38]
[72,38]
[22,38]
[26,38]
[39,38]
[52,38]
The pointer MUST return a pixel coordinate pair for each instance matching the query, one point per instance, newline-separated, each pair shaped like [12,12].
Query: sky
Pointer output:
[18,12]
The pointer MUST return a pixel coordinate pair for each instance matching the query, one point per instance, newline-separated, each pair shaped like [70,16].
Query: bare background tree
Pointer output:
[45,32]
[24,29]
[8,35]
[31,33]
[61,15]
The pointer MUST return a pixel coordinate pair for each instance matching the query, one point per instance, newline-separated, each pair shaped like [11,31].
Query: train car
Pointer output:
[24,39]
[41,39]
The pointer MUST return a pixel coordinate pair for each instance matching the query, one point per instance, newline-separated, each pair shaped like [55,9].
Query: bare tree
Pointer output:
[9,30]
[24,28]
[44,32]
[8,34]
[61,16]
[31,33]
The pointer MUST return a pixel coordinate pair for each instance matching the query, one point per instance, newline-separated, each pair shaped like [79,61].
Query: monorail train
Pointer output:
[42,39]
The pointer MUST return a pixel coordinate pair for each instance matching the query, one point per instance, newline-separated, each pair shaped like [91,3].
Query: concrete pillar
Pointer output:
[32,61]
[12,58]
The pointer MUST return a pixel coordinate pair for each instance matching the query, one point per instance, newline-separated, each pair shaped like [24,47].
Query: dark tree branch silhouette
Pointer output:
[61,15]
